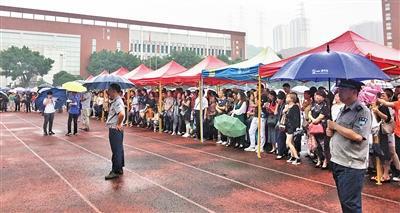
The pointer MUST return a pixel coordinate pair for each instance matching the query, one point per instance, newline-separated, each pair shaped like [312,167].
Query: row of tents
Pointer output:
[213,71]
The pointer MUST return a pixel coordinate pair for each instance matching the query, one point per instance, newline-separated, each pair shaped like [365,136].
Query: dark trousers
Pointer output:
[116,138]
[17,106]
[349,183]
[197,117]
[73,117]
[48,121]
[281,141]
[27,106]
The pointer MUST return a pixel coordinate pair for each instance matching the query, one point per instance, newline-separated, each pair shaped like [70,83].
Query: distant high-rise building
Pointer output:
[372,31]
[295,34]
[281,37]
[391,23]
[299,32]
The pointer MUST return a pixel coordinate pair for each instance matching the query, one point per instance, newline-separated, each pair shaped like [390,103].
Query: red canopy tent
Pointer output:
[155,77]
[120,72]
[90,77]
[192,75]
[138,72]
[386,58]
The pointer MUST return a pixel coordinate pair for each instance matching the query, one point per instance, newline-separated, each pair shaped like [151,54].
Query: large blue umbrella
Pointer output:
[60,96]
[102,82]
[326,66]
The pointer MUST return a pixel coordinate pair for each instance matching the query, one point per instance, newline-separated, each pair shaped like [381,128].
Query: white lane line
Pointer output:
[264,168]
[225,178]
[142,177]
[257,166]
[54,170]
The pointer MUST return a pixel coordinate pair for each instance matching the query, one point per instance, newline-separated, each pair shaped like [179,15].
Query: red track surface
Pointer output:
[163,174]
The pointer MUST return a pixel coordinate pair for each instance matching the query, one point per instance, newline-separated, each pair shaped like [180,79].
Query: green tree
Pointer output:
[63,77]
[111,61]
[185,58]
[227,60]
[23,64]
[156,62]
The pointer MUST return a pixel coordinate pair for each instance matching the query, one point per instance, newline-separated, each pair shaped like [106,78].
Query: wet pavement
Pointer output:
[163,173]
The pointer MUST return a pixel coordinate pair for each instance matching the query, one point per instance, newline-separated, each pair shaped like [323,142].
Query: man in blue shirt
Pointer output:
[73,112]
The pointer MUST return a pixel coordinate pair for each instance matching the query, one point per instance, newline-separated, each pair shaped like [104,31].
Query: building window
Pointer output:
[93,45]
[388,17]
[139,48]
[166,49]
[135,48]
[201,51]
[387,6]
[229,53]
[153,48]
[389,35]
[388,26]
[119,45]
[148,48]
[162,48]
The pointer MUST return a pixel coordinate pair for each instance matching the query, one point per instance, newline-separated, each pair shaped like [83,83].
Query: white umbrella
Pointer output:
[300,89]
[19,89]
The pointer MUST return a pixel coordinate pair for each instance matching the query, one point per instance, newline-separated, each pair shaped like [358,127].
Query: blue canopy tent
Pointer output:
[243,71]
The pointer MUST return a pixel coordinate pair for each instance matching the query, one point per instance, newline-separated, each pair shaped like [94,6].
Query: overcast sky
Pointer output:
[328,18]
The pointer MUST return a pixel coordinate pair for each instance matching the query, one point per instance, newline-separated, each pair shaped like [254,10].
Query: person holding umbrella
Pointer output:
[349,145]
[48,114]
[73,112]
[114,123]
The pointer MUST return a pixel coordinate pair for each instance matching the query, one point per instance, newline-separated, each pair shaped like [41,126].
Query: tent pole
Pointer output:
[259,118]
[160,108]
[201,108]
[127,105]
[102,112]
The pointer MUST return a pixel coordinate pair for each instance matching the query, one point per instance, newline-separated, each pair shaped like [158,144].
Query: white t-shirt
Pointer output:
[49,108]
[197,103]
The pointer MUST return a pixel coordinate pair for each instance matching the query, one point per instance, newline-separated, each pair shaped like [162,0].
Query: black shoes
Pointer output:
[114,175]
[45,134]
[51,133]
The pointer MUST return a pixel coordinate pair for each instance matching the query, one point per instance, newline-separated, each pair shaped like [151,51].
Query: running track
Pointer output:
[163,173]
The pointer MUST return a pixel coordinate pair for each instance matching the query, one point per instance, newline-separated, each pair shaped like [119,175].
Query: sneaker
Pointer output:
[224,143]
[75,134]
[261,150]
[68,134]
[180,133]
[241,146]
[173,133]
[279,157]
[112,175]
[291,159]
[45,134]
[51,133]
[165,131]
[250,149]
[186,135]
[396,179]
[219,142]
[297,161]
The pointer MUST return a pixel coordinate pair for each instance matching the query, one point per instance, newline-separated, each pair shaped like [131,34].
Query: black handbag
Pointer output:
[272,120]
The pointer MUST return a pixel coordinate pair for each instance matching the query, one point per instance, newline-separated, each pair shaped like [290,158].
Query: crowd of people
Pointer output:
[24,101]
[287,120]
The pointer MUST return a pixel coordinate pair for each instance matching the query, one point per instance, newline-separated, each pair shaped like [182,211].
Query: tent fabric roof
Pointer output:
[243,71]
[89,77]
[192,75]
[138,72]
[121,71]
[154,78]
[383,57]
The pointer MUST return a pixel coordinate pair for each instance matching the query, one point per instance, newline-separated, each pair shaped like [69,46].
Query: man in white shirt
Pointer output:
[86,110]
[204,107]
[48,113]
